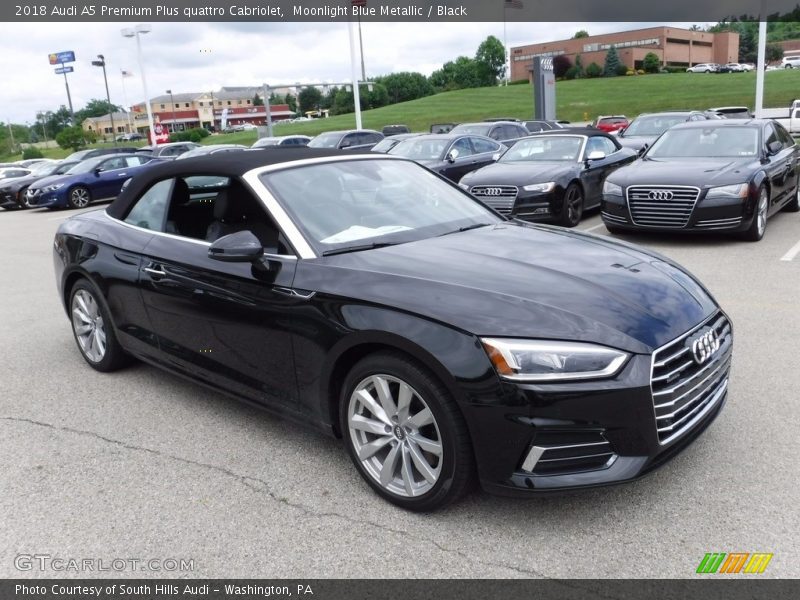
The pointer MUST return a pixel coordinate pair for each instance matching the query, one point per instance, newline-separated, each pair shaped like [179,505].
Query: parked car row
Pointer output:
[718,68]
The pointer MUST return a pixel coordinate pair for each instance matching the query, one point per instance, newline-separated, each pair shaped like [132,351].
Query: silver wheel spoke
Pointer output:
[83,306]
[403,402]
[390,465]
[368,450]
[405,470]
[81,315]
[100,341]
[419,461]
[427,445]
[369,425]
[372,406]
[422,418]
[83,329]
[385,396]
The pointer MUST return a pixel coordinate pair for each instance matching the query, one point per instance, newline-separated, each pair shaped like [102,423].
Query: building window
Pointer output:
[248,101]
[201,104]
[187,105]
[229,102]
[162,106]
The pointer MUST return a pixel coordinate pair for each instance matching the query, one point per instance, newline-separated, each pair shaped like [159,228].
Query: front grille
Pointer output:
[556,453]
[661,206]
[499,197]
[683,390]
[613,218]
[719,223]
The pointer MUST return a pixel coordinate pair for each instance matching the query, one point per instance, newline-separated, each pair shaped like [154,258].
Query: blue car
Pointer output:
[98,178]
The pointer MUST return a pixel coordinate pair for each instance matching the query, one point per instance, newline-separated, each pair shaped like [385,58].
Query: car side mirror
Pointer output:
[774,147]
[496,156]
[596,155]
[98,170]
[451,157]
[241,246]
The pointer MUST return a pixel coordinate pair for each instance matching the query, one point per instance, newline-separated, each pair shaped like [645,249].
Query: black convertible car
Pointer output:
[551,176]
[372,299]
[707,176]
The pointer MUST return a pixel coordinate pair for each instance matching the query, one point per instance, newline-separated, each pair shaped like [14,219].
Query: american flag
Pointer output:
[513,3]
[126,73]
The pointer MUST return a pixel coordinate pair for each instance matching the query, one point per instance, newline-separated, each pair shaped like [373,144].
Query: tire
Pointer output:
[22,199]
[386,448]
[572,208]
[788,67]
[79,197]
[93,330]
[757,228]
[794,204]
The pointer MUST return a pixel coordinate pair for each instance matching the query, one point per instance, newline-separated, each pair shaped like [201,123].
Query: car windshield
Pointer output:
[709,142]
[267,142]
[385,145]
[44,168]
[652,125]
[79,155]
[421,149]
[550,147]
[86,165]
[351,204]
[325,140]
[476,129]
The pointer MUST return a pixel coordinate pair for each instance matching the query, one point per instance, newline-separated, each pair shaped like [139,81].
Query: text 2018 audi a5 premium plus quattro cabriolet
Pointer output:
[373,299]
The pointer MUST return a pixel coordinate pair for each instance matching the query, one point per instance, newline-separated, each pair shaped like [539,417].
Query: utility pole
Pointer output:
[102,63]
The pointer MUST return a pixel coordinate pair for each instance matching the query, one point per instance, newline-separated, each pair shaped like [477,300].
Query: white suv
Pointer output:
[702,68]
[790,62]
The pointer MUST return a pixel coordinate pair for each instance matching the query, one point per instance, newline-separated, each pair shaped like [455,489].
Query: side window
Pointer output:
[461,148]
[496,133]
[150,210]
[484,146]
[113,163]
[518,131]
[173,151]
[771,135]
[373,138]
[788,140]
[608,146]
[351,139]
[134,161]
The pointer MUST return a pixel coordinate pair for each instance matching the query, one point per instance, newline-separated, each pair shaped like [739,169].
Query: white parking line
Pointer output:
[60,218]
[595,227]
[794,251]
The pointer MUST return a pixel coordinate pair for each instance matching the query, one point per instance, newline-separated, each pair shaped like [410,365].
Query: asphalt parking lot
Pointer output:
[141,464]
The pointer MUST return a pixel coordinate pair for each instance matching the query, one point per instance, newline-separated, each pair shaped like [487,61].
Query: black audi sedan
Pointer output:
[552,176]
[449,154]
[727,176]
[372,299]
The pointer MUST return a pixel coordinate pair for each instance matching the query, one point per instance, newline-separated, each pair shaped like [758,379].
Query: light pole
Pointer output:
[174,118]
[102,63]
[136,32]
[125,74]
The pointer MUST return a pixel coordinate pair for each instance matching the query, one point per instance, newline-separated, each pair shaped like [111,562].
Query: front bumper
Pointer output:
[708,214]
[527,206]
[38,199]
[594,433]
[8,199]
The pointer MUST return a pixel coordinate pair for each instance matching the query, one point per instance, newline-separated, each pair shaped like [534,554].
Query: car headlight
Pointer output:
[612,189]
[53,188]
[540,187]
[543,361]
[738,190]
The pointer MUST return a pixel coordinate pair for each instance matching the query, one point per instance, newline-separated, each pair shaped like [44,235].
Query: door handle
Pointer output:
[155,273]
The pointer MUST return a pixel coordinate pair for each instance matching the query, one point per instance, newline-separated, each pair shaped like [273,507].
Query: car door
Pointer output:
[459,159]
[223,323]
[107,182]
[486,152]
[791,150]
[780,166]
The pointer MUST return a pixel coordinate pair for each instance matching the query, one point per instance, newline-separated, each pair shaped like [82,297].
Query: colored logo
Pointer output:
[735,562]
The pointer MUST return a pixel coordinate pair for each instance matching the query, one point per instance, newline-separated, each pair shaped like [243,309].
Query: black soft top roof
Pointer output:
[226,164]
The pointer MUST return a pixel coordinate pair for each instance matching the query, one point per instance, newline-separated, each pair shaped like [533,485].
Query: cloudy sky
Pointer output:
[205,56]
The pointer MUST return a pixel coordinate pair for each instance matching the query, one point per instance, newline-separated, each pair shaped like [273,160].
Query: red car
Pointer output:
[610,124]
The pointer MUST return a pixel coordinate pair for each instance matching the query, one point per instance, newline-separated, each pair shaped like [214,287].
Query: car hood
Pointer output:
[520,173]
[525,281]
[636,142]
[17,182]
[50,180]
[701,172]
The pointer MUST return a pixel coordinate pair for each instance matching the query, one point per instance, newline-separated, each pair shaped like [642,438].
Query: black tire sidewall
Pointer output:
[564,218]
[751,234]
[456,466]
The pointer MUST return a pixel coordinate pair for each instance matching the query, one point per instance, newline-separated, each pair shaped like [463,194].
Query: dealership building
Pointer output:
[673,46]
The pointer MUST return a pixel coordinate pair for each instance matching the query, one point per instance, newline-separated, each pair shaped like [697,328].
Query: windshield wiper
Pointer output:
[359,247]
[467,228]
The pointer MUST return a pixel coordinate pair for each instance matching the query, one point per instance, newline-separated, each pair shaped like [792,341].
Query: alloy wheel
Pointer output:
[395,435]
[87,322]
[762,211]
[79,197]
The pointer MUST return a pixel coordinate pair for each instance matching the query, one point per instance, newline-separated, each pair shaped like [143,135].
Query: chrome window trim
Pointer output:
[274,208]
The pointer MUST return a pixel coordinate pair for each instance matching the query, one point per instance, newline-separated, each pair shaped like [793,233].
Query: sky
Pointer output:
[196,57]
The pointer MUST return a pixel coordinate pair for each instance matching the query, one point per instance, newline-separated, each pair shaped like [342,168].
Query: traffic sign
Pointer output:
[62,70]
[61,57]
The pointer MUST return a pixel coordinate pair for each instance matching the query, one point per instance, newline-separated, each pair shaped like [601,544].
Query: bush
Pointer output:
[519,82]
[651,62]
[572,73]
[640,72]
[71,138]
[594,70]
[32,152]
[673,70]
[195,136]
[630,73]
[189,135]
[622,70]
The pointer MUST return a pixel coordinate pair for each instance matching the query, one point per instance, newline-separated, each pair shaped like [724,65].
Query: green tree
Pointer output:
[612,62]
[491,57]
[343,102]
[32,152]
[463,72]
[580,34]
[291,101]
[95,108]
[379,96]
[71,138]
[774,52]
[309,98]
[257,101]
[405,86]
[55,121]
[651,63]
[594,70]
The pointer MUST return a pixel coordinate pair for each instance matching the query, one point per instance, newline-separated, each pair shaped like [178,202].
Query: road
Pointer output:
[141,464]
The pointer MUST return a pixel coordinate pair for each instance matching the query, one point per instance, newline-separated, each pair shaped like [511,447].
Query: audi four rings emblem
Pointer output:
[492,191]
[660,195]
[704,346]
